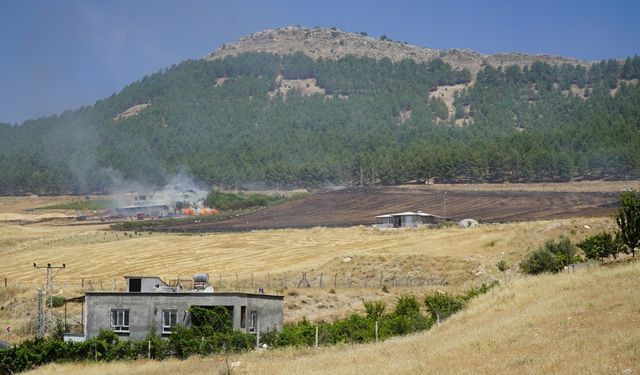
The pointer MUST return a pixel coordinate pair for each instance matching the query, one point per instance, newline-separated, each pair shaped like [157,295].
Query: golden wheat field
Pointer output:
[586,322]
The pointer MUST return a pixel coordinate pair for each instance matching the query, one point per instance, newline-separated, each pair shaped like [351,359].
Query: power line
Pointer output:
[44,310]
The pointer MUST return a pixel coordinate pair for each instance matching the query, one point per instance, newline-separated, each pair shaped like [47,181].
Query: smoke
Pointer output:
[180,187]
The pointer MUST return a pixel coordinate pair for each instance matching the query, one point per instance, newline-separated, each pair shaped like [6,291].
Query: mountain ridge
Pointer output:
[332,43]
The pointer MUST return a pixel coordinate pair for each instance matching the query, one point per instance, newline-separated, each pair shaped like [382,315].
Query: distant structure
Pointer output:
[468,223]
[151,305]
[407,219]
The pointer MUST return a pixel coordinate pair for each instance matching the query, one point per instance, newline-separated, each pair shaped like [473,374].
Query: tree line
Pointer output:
[537,123]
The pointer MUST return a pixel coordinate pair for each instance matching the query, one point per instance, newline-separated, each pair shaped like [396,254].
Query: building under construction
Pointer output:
[151,305]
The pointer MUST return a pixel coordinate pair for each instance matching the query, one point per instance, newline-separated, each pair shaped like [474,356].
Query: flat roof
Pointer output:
[187,294]
[141,277]
[408,213]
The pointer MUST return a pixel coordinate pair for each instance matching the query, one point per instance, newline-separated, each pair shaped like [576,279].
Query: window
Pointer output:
[243,316]
[253,321]
[169,320]
[120,320]
[135,285]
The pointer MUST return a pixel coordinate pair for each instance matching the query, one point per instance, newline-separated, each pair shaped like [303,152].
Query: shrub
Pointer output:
[407,305]
[601,246]
[539,261]
[55,301]
[374,309]
[442,305]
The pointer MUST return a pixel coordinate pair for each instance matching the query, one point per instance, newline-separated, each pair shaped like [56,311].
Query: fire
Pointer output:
[209,211]
[204,211]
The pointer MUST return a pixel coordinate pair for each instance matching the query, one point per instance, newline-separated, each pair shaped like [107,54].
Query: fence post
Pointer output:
[321,274]
[335,281]
[316,336]
[5,282]
[381,277]
[252,287]
[376,331]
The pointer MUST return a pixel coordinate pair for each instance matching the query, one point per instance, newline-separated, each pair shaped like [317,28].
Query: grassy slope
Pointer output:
[580,323]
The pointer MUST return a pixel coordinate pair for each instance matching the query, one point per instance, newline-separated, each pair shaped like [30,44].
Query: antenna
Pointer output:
[43,316]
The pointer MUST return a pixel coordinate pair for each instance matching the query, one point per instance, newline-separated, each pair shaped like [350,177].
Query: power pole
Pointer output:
[43,311]
[40,329]
[445,205]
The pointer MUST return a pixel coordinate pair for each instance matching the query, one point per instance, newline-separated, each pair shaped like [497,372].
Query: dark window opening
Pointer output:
[243,316]
[135,285]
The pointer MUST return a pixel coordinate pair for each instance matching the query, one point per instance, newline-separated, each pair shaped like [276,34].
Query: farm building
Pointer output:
[150,305]
[407,219]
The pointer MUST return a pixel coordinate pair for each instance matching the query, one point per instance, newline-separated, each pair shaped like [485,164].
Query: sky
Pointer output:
[61,55]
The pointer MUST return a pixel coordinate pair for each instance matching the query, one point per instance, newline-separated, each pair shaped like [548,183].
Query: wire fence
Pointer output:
[250,282]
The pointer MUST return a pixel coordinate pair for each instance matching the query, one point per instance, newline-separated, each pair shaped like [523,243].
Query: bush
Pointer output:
[55,301]
[563,249]
[374,309]
[540,261]
[442,305]
[601,246]
[407,305]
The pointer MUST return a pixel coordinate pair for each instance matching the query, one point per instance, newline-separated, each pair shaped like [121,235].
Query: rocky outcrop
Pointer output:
[334,44]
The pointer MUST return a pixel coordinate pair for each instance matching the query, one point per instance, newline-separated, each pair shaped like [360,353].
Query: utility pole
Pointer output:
[445,205]
[43,311]
[40,329]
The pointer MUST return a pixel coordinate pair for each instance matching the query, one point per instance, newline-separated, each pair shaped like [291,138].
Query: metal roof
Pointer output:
[408,213]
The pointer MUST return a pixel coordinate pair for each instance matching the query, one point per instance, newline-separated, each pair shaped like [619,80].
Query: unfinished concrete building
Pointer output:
[150,305]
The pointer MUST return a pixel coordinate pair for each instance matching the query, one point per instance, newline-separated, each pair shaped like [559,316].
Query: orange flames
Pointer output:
[203,211]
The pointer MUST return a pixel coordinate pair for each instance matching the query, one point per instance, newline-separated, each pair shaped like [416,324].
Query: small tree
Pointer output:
[601,246]
[563,249]
[374,309]
[628,220]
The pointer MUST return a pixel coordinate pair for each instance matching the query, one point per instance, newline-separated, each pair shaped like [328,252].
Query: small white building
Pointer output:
[407,219]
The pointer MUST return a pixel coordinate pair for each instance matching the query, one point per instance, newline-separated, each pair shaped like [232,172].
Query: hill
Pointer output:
[545,324]
[332,43]
[318,107]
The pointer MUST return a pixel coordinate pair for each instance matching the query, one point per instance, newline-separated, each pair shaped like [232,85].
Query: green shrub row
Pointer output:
[211,332]
[404,319]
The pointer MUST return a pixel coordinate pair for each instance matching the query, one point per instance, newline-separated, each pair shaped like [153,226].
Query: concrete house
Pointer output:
[150,305]
[407,219]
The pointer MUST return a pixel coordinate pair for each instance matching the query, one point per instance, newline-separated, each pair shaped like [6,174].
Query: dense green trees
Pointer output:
[628,220]
[524,124]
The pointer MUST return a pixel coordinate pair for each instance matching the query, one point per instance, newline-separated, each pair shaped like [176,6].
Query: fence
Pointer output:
[252,282]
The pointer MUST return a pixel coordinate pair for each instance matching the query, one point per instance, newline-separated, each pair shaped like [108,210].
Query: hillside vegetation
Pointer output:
[351,120]
[578,323]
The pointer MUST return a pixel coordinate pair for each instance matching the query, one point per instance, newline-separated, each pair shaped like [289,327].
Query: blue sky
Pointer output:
[59,55]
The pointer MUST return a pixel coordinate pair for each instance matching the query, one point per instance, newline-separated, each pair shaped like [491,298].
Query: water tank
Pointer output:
[201,278]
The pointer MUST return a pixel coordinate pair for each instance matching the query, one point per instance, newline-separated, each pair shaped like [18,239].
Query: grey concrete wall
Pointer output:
[145,310]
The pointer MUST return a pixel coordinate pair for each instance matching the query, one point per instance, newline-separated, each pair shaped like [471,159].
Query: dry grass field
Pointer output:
[422,258]
[586,322]
[357,259]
